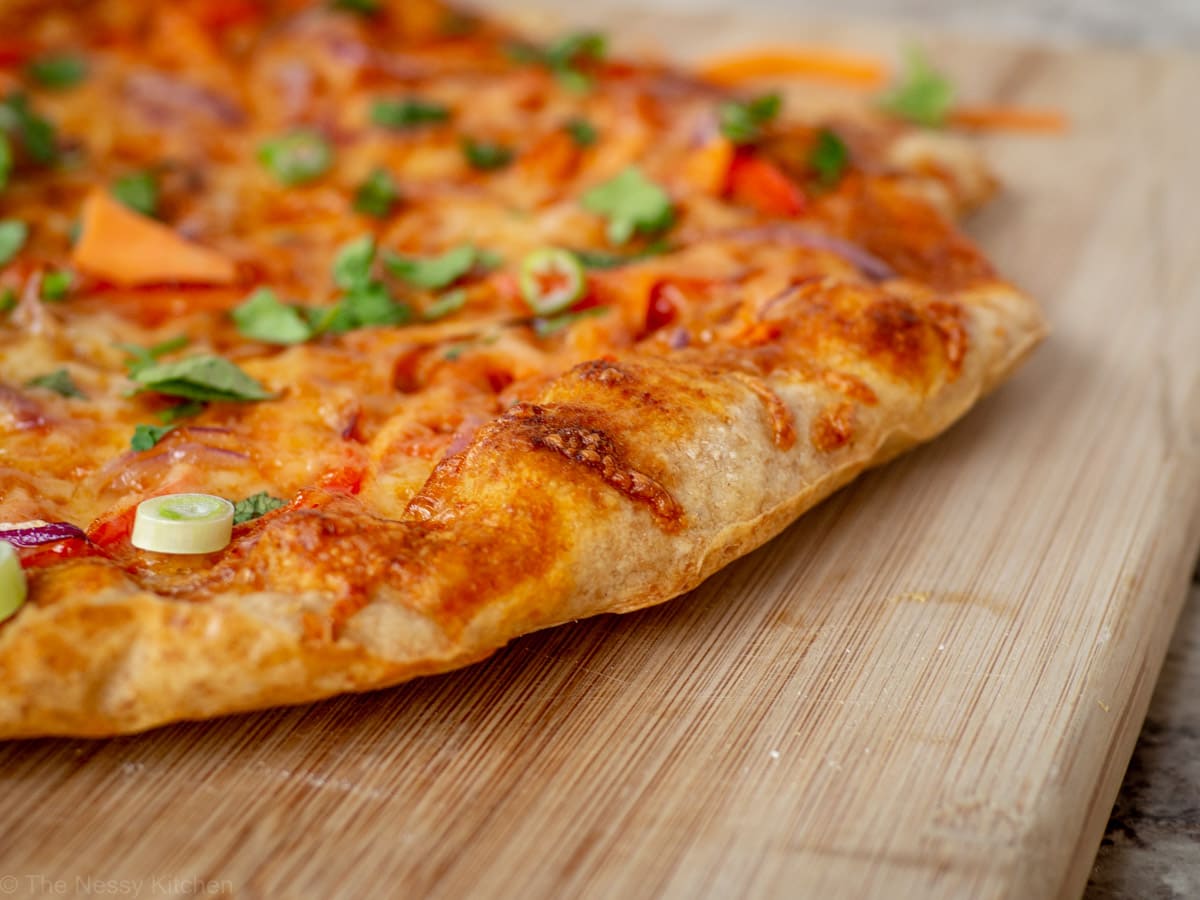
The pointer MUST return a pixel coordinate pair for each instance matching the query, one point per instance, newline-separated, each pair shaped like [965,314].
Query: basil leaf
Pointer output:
[377,195]
[146,436]
[486,156]
[829,158]
[59,381]
[297,157]
[742,122]
[201,377]
[255,506]
[13,234]
[56,285]
[923,95]
[582,132]
[138,191]
[409,112]
[263,318]
[631,203]
[57,71]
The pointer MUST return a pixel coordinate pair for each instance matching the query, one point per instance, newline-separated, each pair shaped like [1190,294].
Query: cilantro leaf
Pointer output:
[433,272]
[605,259]
[8,300]
[13,234]
[486,156]
[6,160]
[362,7]
[922,96]
[255,506]
[409,112]
[146,436]
[57,284]
[202,377]
[33,132]
[59,381]
[546,326]
[450,302]
[298,157]
[138,191]
[631,203]
[377,195]
[582,132]
[185,410]
[742,122]
[352,265]
[57,72]
[263,318]
[829,157]
[145,356]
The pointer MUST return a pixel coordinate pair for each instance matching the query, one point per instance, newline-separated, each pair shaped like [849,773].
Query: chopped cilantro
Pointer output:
[6,160]
[57,284]
[362,7]
[742,122]
[297,157]
[450,302]
[263,318]
[146,436]
[255,506]
[631,203]
[922,96]
[179,411]
[486,155]
[546,326]
[433,272]
[138,191]
[202,377]
[59,381]
[409,112]
[8,300]
[57,72]
[377,195]
[582,132]
[605,259]
[367,300]
[829,157]
[13,234]
[564,57]
[146,356]
[33,132]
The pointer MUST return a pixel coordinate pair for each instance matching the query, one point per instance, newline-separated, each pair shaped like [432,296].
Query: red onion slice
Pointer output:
[31,535]
[799,236]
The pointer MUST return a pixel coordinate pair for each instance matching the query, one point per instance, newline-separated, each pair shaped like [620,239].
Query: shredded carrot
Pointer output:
[126,248]
[1009,118]
[707,168]
[769,62]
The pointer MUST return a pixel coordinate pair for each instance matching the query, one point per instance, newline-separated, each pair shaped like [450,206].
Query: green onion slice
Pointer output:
[551,280]
[13,587]
[183,523]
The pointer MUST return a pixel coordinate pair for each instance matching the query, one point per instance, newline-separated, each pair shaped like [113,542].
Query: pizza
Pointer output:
[345,342]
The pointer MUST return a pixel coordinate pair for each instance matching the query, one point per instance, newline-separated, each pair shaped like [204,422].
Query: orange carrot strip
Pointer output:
[707,167]
[126,248]
[1009,118]
[803,63]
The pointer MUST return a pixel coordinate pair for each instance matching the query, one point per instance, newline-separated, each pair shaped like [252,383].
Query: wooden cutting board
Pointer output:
[929,687]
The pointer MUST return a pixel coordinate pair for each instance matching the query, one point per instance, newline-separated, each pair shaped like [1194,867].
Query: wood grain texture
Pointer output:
[928,687]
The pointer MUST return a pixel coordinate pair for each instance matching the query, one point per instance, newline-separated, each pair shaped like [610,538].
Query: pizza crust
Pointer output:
[96,655]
